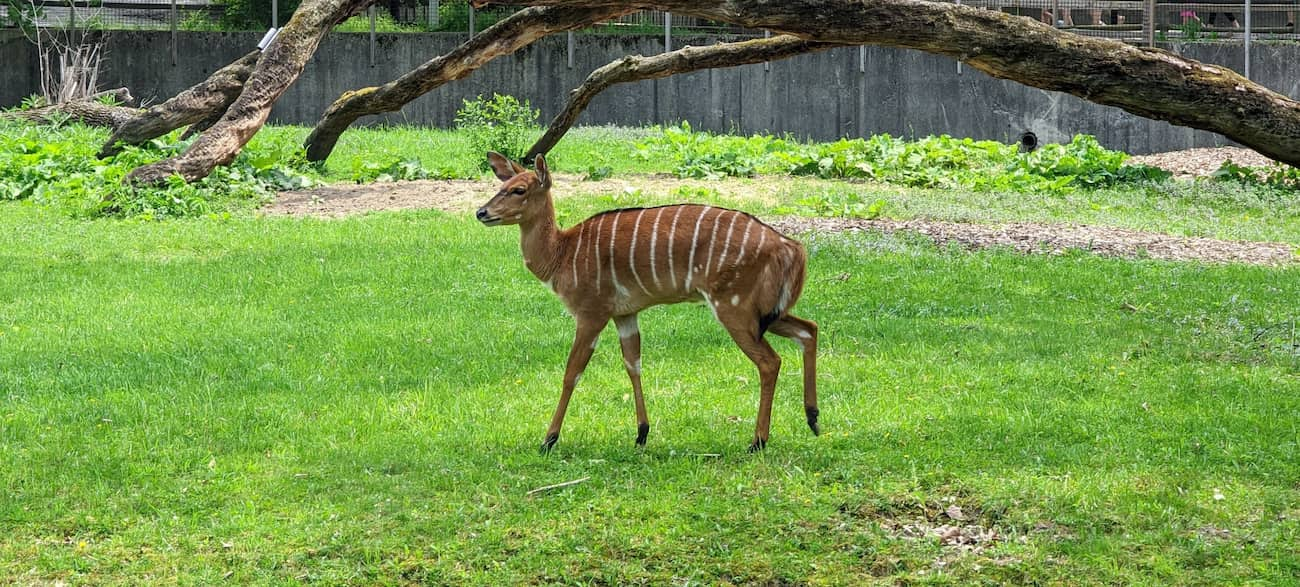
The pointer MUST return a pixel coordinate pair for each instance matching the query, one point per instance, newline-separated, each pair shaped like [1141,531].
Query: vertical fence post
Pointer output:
[1149,22]
[433,15]
[1247,33]
[72,15]
[275,14]
[767,65]
[173,24]
[668,32]
[372,35]
[863,66]
[471,22]
[570,49]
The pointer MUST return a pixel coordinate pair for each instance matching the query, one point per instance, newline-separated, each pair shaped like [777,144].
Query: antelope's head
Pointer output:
[523,195]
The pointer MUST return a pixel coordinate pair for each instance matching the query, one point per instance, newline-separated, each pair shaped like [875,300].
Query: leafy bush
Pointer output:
[58,166]
[933,162]
[500,124]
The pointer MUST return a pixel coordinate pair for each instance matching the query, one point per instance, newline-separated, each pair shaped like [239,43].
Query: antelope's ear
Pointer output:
[543,172]
[504,168]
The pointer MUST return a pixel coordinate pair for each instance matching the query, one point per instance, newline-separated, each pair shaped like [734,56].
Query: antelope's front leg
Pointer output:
[629,338]
[584,342]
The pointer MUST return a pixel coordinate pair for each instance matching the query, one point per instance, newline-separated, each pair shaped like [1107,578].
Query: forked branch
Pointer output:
[207,100]
[1146,82]
[279,66]
[503,38]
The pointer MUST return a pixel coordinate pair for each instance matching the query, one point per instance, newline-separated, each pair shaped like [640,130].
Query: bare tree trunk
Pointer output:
[503,38]
[205,101]
[280,65]
[636,68]
[89,111]
[1146,82]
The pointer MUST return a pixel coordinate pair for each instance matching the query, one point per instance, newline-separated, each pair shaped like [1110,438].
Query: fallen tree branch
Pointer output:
[205,101]
[636,68]
[91,111]
[280,65]
[503,38]
[1146,82]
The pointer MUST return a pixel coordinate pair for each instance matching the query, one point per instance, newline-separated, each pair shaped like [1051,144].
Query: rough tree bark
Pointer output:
[636,68]
[1147,82]
[205,101]
[280,65]
[89,111]
[503,38]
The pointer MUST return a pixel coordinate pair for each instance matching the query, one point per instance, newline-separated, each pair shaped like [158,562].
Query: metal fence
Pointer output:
[1135,21]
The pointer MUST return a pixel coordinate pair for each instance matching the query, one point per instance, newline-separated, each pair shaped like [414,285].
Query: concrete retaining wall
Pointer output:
[823,96]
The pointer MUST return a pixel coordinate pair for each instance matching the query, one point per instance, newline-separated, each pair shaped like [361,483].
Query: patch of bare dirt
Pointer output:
[1055,239]
[1200,162]
[340,200]
[461,195]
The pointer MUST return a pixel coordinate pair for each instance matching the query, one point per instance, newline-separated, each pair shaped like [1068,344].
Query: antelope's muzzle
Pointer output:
[486,218]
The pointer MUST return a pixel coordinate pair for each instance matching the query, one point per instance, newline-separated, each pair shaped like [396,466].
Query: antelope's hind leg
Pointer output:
[583,345]
[804,333]
[629,338]
[743,328]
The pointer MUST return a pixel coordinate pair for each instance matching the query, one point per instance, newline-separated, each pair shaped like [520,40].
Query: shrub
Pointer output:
[500,124]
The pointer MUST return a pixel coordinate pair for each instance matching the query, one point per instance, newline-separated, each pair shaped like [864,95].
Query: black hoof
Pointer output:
[812,420]
[549,442]
[757,445]
[642,431]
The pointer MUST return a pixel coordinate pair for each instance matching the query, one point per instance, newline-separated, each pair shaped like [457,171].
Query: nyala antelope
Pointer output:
[620,262]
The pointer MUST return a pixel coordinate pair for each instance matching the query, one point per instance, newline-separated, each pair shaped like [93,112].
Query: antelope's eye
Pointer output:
[517,191]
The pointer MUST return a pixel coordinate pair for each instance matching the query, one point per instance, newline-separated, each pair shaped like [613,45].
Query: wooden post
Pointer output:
[372,34]
[668,32]
[570,35]
[1247,38]
[173,25]
[1149,22]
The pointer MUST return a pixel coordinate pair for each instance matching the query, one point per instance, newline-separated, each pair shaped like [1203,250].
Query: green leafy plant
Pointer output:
[253,14]
[23,15]
[500,123]
[397,170]
[932,162]
[58,166]
[597,173]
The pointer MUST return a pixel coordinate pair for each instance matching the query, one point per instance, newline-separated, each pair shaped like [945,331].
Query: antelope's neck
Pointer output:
[540,241]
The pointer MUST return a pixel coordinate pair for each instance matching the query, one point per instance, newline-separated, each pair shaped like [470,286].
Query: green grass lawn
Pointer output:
[261,400]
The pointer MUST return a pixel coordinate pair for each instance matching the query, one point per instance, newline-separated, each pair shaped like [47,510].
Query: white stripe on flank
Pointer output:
[727,245]
[708,259]
[690,262]
[595,244]
[613,273]
[749,223]
[631,252]
[654,238]
[672,235]
[578,247]
[762,237]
